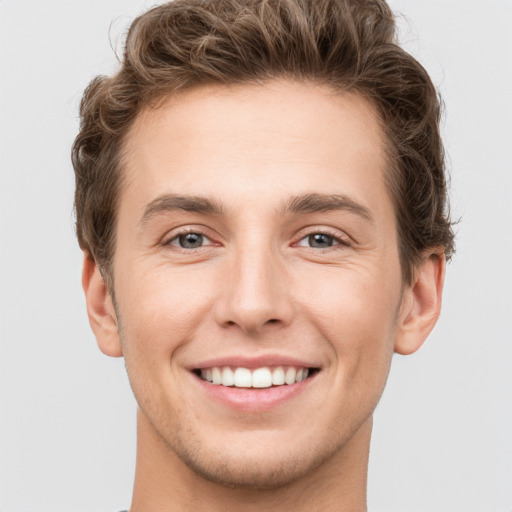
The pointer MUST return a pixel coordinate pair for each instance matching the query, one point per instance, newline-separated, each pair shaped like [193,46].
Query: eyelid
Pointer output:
[185,230]
[343,240]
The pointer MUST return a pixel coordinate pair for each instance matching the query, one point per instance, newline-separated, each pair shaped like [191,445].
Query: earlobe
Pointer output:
[421,305]
[100,309]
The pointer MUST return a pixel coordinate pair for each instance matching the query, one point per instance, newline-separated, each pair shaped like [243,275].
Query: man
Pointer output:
[261,204]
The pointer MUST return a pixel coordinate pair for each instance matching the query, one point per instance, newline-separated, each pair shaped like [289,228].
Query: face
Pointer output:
[256,245]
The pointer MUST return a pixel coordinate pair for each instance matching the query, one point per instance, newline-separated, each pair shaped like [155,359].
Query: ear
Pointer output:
[421,305]
[100,309]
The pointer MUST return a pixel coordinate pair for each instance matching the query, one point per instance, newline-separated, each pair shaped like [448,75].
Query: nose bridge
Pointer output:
[256,292]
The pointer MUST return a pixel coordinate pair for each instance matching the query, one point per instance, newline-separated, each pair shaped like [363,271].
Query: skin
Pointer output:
[258,285]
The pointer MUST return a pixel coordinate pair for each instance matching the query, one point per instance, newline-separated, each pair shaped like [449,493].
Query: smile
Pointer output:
[264,377]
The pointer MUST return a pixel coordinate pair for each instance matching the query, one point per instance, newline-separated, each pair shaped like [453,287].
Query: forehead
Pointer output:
[256,141]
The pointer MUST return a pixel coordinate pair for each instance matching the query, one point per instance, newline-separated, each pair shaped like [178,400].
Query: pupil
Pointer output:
[320,240]
[191,240]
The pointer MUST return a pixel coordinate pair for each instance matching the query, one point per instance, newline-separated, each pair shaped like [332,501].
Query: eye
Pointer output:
[321,241]
[190,240]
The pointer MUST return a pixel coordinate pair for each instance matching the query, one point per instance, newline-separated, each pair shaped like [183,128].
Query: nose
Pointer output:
[254,292]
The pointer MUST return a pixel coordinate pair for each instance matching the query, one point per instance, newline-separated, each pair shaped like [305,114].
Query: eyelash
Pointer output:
[337,241]
[185,232]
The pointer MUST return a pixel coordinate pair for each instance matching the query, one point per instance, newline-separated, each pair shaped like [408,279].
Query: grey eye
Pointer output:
[189,240]
[319,240]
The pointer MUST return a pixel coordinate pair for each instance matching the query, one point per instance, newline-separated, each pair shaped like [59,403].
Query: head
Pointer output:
[244,154]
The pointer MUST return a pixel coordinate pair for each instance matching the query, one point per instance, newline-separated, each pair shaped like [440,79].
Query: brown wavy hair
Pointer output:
[349,45]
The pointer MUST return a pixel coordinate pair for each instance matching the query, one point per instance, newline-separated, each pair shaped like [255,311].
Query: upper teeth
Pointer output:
[256,378]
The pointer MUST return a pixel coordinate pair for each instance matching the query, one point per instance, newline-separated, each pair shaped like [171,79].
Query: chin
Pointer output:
[250,473]
[262,464]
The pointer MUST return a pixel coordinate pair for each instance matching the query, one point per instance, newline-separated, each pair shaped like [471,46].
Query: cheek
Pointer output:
[160,311]
[355,301]
[356,315]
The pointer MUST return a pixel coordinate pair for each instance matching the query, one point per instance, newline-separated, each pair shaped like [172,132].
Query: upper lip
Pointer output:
[253,362]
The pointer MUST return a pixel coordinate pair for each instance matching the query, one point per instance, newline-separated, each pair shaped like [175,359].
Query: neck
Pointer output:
[163,483]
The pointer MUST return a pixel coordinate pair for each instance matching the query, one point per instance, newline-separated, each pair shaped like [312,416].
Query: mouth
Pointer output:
[257,378]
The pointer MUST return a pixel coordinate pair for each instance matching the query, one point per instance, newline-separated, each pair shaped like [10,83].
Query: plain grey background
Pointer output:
[442,436]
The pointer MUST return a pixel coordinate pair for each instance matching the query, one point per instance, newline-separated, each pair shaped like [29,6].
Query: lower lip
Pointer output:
[254,399]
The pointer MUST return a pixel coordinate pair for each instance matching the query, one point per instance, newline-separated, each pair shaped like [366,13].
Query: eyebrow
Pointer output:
[173,202]
[311,203]
[306,203]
